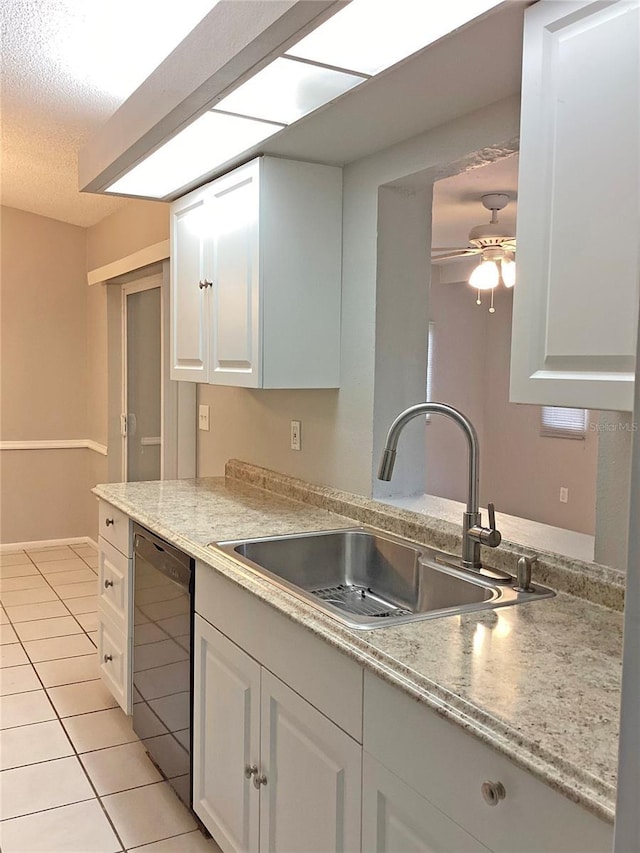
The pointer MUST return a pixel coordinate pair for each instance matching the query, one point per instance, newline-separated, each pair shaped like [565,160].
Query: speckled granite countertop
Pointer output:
[539,682]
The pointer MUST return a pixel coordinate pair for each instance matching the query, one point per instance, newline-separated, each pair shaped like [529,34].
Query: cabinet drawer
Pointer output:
[447,766]
[114,584]
[328,679]
[396,818]
[114,658]
[113,525]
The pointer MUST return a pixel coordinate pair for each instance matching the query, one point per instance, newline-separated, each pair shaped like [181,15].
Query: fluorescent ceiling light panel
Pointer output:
[368,36]
[286,90]
[208,142]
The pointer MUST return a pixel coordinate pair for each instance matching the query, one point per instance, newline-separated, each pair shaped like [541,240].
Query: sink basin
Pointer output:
[367,579]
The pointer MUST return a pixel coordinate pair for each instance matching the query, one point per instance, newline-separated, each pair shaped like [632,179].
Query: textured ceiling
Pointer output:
[66,66]
[457,206]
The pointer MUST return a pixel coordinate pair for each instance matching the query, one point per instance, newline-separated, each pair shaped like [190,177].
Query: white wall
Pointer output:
[338,426]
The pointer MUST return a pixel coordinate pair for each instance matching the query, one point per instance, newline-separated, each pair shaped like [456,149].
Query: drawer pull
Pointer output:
[493,792]
[109,521]
[250,771]
[107,658]
[204,284]
[259,780]
[107,584]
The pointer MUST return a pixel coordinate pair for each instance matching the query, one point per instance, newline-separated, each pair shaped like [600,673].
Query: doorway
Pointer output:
[141,418]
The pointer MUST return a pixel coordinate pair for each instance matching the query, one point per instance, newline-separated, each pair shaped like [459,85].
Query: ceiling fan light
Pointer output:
[485,276]
[508,272]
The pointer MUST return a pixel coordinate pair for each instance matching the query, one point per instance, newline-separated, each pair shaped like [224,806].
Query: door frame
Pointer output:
[150,282]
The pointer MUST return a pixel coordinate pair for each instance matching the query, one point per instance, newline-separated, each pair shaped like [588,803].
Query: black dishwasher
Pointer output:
[162,643]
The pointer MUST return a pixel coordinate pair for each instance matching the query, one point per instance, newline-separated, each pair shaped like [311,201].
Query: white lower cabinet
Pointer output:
[396,819]
[226,738]
[114,659]
[453,776]
[115,592]
[311,799]
[271,773]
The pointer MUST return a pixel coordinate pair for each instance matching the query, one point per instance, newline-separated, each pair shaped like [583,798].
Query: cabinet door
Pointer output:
[226,739]
[576,297]
[235,302]
[115,573]
[396,819]
[311,798]
[114,658]
[191,266]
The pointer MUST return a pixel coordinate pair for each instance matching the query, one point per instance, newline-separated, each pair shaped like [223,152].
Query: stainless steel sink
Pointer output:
[367,579]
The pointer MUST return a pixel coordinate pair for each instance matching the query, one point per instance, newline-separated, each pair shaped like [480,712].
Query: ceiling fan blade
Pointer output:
[451,249]
[453,254]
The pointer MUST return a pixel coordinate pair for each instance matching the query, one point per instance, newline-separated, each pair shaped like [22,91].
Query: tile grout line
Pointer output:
[60,720]
[76,754]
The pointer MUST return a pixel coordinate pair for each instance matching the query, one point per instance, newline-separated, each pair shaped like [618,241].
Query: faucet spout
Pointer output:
[473,533]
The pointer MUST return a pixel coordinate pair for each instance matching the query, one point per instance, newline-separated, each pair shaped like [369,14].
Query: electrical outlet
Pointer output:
[203,418]
[296,435]
[564,495]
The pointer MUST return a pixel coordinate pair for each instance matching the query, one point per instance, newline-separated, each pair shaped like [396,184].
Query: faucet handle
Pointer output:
[492,536]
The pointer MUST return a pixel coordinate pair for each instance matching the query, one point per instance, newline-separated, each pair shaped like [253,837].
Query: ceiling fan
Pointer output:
[495,245]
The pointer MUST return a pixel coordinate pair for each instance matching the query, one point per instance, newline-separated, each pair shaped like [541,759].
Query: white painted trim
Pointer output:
[7,547]
[56,444]
[102,449]
[142,258]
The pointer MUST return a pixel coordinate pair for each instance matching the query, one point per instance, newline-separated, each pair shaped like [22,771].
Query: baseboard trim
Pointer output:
[56,444]
[46,543]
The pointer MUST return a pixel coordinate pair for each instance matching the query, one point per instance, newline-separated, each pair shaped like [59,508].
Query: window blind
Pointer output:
[557,422]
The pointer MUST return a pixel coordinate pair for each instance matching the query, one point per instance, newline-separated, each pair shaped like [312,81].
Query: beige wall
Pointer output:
[132,227]
[54,364]
[43,376]
[521,471]
[44,331]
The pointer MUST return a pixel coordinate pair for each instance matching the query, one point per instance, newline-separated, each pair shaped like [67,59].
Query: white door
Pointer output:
[226,737]
[396,819]
[142,380]
[310,801]
[191,277]
[575,300]
[235,299]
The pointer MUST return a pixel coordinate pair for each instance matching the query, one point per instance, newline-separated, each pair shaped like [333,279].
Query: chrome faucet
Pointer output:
[473,533]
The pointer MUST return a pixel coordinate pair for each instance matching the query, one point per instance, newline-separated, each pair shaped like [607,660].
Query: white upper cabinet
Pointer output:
[576,299]
[256,277]
[190,265]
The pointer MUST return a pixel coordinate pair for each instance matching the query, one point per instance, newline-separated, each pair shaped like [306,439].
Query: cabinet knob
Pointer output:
[107,584]
[204,284]
[493,792]
[107,658]
[250,770]
[259,780]
[109,521]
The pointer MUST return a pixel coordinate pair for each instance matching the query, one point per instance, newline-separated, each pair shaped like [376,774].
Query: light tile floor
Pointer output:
[74,777]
